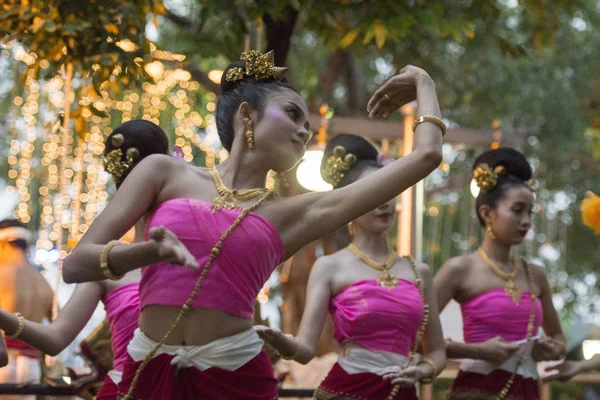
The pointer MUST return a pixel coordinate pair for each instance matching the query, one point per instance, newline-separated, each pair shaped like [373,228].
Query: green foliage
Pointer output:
[86,34]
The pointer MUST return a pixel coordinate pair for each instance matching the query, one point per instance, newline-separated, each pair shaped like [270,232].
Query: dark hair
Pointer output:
[234,93]
[144,135]
[13,223]
[517,171]
[366,156]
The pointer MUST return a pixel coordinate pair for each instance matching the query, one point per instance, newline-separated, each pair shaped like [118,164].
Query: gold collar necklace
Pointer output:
[385,279]
[230,199]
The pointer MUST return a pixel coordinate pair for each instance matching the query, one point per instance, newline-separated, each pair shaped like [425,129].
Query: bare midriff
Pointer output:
[198,327]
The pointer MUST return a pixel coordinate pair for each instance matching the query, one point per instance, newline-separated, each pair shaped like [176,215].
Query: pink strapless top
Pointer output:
[378,318]
[494,313]
[247,258]
[122,307]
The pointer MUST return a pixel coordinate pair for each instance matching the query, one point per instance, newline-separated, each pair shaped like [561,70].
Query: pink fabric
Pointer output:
[378,318]
[248,257]
[494,313]
[122,307]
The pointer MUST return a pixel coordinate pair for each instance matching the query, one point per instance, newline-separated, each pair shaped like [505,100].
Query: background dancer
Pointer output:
[381,304]
[126,146]
[504,300]
[24,291]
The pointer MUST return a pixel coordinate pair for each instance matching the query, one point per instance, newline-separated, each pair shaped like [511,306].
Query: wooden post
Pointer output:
[405,242]
[545,393]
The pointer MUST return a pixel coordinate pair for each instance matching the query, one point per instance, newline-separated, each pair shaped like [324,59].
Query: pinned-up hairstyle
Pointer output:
[346,157]
[496,172]
[130,143]
[252,80]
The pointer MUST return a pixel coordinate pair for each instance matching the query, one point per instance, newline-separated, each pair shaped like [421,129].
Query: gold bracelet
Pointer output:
[432,119]
[433,366]
[108,274]
[20,327]
[298,349]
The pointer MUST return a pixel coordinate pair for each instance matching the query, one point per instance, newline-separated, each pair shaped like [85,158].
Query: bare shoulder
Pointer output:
[538,273]
[458,265]
[423,270]
[326,266]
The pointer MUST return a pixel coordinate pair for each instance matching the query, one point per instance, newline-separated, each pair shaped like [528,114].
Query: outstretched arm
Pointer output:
[318,293]
[314,215]
[136,196]
[54,338]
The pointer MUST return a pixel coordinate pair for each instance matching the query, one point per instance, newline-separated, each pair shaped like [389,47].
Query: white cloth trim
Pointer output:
[115,375]
[356,359]
[15,233]
[527,369]
[229,353]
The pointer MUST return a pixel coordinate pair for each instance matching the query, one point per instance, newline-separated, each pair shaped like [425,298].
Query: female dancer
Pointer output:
[126,146]
[381,304]
[504,300]
[225,221]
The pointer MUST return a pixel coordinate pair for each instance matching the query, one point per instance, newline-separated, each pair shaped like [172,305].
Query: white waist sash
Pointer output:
[355,359]
[527,368]
[228,353]
[115,376]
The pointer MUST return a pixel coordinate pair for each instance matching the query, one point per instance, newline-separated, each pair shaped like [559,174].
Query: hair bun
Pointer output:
[228,85]
[514,162]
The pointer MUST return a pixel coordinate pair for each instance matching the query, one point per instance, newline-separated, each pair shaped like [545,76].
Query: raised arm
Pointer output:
[136,196]
[54,338]
[317,214]
[318,294]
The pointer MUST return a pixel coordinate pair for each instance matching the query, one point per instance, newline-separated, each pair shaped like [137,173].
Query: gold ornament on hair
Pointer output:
[188,304]
[510,287]
[486,177]
[113,163]
[230,199]
[260,66]
[337,165]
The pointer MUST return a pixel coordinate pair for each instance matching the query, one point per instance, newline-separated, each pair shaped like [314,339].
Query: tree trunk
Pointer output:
[279,33]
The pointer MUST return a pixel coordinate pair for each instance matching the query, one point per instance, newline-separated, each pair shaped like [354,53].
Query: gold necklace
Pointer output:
[231,198]
[385,278]
[510,287]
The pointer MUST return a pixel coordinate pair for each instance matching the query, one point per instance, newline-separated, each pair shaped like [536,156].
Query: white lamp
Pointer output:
[309,172]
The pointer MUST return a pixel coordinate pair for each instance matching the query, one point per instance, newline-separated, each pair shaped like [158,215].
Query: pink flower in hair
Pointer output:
[382,159]
[178,152]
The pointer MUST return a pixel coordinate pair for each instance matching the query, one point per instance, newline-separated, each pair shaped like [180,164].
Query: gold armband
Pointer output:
[104,261]
[432,119]
[20,327]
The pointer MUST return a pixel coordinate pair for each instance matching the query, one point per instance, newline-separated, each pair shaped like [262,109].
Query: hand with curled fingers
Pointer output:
[563,372]
[409,376]
[171,249]
[399,90]
[547,349]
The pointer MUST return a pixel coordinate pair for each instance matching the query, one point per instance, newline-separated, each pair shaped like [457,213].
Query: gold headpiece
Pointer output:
[337,165]
[486,177]
[112,161]
[261,66]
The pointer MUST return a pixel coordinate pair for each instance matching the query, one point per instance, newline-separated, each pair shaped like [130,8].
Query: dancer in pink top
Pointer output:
[126,146]
[504,300]
[383,306]
[231,233]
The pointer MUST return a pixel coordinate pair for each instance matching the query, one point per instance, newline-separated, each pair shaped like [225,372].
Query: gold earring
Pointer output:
[249,134]
[351,228]
[283,180]
[490,232]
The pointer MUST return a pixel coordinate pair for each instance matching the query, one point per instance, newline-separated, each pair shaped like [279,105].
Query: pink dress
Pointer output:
[381,320]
